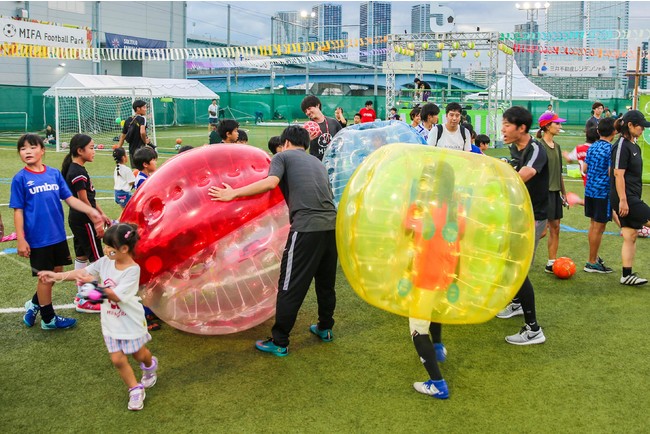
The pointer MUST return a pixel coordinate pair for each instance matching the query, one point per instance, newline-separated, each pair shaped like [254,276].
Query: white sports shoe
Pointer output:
[513,309]
[136,398]
[527,337]
[633,280]
[149,376]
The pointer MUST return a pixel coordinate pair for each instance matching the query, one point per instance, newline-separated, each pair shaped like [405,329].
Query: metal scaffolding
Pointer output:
[419,43]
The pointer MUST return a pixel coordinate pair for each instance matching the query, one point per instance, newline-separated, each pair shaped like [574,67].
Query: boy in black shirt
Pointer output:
[530,161]
[310,252]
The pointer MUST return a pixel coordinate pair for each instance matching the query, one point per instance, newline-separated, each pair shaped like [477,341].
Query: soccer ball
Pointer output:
[100,146]
[564,268]
[64,145]
[179,141]
[177,147]
[644,232]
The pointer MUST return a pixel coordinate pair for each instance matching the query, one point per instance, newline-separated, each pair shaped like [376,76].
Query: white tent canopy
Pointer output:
[76,85]
[522,88]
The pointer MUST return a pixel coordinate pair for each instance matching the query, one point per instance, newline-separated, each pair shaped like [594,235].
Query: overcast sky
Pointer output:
[250,21]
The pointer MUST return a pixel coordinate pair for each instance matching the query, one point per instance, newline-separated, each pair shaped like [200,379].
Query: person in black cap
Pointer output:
[625,189]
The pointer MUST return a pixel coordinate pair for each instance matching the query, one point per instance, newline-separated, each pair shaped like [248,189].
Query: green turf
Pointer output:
[590,376]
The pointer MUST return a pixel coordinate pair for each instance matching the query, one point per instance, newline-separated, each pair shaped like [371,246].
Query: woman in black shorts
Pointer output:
[625,189]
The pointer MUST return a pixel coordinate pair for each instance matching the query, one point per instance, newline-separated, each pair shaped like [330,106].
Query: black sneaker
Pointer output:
[598,267]
[548,269]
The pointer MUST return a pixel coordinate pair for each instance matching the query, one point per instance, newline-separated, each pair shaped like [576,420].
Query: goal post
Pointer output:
[98,112]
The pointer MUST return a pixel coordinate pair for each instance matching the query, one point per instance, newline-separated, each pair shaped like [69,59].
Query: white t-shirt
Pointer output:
[125,319]
[213,109]
[125,179]
[450,140]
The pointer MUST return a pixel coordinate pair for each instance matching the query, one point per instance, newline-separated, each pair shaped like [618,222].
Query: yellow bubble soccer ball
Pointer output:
[435,234]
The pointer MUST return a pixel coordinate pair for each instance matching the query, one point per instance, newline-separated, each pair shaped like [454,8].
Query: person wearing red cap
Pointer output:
[549,127]
[626,187]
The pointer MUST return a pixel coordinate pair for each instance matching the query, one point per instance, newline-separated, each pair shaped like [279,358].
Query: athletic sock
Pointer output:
[47,313]
[627,271]
[427,354]
[435,329]
[35,299]
[550,262]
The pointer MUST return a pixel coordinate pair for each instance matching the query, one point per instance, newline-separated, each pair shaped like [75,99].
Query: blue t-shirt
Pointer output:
[598,160]
[140,179]
[39,195]
[476,150]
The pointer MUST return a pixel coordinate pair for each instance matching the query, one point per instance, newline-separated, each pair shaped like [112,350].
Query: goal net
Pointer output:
[98,112]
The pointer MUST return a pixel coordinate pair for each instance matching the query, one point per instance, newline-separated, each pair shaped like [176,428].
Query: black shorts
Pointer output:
[554,206]
[48,257]
[213,120]
[86,242]
[598,209]
[637,217]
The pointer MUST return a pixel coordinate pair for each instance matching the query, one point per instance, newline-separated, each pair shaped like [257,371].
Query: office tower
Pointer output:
[326,25]
[286,28]
[374,21]
[420,16]
[527,61]
[571,16]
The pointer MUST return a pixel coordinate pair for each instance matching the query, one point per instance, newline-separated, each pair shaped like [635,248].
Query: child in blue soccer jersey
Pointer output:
[36,194]
[144,160]
[597,207]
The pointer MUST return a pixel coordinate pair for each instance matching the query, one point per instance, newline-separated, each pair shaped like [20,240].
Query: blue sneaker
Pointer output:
[31,310]
[325,335]
[437,389]
[268,346]
[441,352]
[58,322]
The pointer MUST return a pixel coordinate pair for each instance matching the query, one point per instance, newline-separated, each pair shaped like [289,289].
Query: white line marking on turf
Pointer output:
[22,309]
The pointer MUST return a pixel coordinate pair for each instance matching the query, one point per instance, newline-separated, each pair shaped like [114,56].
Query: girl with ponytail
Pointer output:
[87,242]
[123,177]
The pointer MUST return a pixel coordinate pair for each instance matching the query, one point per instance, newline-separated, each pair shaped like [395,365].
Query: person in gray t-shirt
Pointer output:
[310,252]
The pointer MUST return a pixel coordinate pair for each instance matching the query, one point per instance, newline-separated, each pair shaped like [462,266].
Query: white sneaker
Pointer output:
[136,398]
[437,389]
[513,309]
[527,337]
[149,376]
[633,280]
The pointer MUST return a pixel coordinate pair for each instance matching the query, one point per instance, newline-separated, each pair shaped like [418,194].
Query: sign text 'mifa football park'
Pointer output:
[34,33]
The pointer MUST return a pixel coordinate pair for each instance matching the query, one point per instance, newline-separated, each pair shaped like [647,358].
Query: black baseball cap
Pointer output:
[636,117]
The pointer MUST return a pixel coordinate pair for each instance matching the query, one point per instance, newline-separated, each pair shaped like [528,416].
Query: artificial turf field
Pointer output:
[590,376]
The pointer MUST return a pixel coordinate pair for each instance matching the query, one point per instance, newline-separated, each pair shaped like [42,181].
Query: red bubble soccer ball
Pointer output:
[564,268]
[209,267]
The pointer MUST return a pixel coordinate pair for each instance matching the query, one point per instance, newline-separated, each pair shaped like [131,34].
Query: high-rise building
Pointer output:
[326,25]
[420,16]
[374,22]
[526,60]
[581,16]
[609,15]
[286,28]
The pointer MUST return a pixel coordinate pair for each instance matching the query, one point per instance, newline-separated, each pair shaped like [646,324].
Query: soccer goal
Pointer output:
[98,112]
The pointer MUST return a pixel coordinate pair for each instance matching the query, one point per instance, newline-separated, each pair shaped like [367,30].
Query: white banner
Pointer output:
[577,68]
[26,32]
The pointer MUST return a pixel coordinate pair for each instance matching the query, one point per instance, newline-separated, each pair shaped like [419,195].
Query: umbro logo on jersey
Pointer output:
[43,188]
[30,183]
